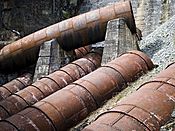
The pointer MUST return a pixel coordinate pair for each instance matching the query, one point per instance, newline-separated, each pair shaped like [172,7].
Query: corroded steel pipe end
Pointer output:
[125,10]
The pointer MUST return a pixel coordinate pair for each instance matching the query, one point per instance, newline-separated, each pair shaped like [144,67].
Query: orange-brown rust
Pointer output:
[49,84]
[15,85]
[72,33]
[149,108]
[71,104]
[82,51]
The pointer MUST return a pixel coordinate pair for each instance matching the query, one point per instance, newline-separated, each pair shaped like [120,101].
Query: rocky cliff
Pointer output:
[27,16]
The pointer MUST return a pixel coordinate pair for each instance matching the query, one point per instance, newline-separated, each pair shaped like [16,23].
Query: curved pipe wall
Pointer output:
[72,33]
[68,106]
[49,84]
[15,85]
[82,51]
[149,108]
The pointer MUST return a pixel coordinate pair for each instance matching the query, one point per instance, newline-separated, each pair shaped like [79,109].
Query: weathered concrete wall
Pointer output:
[119,39]
[51,58]
[43,63]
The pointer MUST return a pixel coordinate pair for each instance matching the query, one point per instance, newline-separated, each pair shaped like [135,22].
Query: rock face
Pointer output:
[27,16]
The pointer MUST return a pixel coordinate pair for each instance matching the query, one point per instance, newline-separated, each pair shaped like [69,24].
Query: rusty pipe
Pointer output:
[149,108]
[15,85]
[49,84]
[66,107]
[82,51]
[72,33]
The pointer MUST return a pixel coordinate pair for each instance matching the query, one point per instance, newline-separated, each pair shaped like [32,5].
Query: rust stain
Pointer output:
[149,108]
[71,104]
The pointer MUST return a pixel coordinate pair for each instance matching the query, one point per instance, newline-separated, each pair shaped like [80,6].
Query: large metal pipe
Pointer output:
[82,51]
[68,106]
[49,84]
[72,33]
[15,85]
[149,108]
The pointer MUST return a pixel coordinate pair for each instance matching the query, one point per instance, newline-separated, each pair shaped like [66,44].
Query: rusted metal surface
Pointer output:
[15,85]
[72,33]
[49,84]
[149,108]
[82,51]
[68,106]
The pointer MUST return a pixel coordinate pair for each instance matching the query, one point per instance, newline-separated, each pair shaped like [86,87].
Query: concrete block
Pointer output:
[118,40]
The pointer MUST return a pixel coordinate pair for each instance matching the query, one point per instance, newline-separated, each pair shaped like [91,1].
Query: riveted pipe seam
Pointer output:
[5,110]
[10,124]
[44,114]
[163,82]
[22,93]
[92,62]
[6,89]
[118,65]
[45,93]
[145,112]
[26,119]
[14,86]
[149,65]
[126,114]
[158,114]
[135,106]
[166,98]
[170,65]
[21,98]
[151,114]
[21,82]
[87,91]
[60,113]
[67,74]
[52,79]
[80,52]
[4,92]
[8,111]
[79,67]
[87,104]
[141,58]
[118,72]
[38,91]
[23,116]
